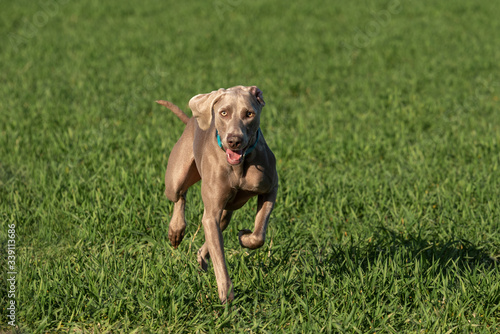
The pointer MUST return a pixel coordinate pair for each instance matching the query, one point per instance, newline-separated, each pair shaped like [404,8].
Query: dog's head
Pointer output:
[235,113]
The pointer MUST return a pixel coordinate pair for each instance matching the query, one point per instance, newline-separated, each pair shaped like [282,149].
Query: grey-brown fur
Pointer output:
[230,178]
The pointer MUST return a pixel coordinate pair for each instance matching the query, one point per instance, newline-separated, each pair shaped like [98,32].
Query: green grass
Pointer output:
[384,117]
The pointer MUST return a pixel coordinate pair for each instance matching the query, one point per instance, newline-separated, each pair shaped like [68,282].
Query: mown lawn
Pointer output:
[385,120]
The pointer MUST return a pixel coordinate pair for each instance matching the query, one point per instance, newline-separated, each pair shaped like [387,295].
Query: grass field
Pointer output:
[384,117]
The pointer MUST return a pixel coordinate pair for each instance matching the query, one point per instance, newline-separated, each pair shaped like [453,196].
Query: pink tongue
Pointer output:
[233,157]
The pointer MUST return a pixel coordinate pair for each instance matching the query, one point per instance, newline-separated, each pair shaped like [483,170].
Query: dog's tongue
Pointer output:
[234,157]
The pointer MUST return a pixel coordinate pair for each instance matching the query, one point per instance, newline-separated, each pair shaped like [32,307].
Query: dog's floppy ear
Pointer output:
[255,91]
[202,105]
[258,95]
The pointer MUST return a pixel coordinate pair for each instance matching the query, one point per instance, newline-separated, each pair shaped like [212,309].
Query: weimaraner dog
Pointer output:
[223,146]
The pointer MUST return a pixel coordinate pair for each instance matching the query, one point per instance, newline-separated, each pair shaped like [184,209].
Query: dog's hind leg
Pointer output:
[180,175]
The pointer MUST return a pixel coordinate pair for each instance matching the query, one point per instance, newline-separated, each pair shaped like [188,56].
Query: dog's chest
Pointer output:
[244,188]
[252,180]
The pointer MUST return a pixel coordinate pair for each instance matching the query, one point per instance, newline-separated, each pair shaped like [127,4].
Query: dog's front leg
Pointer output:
[203,254]
[265,205]
[214,242]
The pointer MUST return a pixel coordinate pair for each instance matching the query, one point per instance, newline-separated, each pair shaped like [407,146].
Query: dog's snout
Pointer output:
[234,142]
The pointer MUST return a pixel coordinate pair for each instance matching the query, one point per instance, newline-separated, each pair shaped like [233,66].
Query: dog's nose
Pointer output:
[234,142]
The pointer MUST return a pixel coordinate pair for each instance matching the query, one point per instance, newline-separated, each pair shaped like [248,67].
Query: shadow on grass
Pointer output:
[389,256]
[387,246]
[461,252]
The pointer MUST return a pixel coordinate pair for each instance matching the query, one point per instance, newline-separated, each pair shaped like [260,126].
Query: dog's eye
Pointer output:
[250,114]
[223,113]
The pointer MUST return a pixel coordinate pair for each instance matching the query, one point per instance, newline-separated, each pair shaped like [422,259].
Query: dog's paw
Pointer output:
[175,236]
[249,240]
[203,257]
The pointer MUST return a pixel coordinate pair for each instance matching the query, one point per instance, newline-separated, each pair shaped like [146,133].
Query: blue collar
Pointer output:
[248,151]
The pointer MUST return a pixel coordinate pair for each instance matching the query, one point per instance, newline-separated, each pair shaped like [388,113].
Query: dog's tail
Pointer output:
[175,109]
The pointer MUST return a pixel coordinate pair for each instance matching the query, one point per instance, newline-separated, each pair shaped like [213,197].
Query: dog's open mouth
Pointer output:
[234,157]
